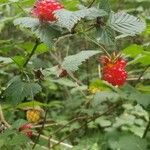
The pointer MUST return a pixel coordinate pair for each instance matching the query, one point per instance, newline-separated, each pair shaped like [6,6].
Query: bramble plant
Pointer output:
[74,74]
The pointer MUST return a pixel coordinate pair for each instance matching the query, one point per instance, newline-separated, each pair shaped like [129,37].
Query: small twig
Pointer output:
[90,119]
[64,126]
[146,129]
[142,74]
[91,4]
[46,125]
[43,147]
[32,53]
[54,141]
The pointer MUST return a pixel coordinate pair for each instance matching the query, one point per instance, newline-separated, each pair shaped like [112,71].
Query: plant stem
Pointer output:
[107,112]
[146,129]
[32,53]
[142,74]
[91,4]
[104,50]
[40,132]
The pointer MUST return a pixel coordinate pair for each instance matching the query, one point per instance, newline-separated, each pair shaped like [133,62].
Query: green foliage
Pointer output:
[71,63]
[18,90]
[126,24]
[55,68]
[44,31]
[121,141]
[68,19]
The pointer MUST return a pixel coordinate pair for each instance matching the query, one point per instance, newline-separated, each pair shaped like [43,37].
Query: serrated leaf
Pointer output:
[68,19]
[105,96]
[18,90]
[27,22]
[105,5]
[105,36]
[45,31]
[126,24]
[126,141]
[133,142]
[72,62]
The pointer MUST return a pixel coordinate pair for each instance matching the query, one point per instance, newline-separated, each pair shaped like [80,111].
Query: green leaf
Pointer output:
[72,62]
[27,22]
[105,5]
[18,90]
[133,142]
[102,86]
[30,104]
[105,96]
[126,141]
[19,60]
[68,19]
[133,50]
[130,93]
[126,24]
[71,4]
[45,31]
[105,36]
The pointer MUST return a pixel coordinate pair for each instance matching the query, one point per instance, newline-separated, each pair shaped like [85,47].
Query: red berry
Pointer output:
[114,72]
[26,129]
[44,9]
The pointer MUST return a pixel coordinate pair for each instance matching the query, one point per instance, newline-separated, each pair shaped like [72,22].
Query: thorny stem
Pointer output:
[32,53]
[91,4]
[146,129]
[109,111]
[40,132]
[54,141]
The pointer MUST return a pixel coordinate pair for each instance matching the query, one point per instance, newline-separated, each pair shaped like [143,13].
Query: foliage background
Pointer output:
[81,109]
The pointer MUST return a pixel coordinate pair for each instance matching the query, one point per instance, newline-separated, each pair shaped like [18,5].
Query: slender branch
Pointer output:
[40,132]
[43,147]
[91,4]
[32,53]
[54,141]
[142,74]
[109,111]
[146,129]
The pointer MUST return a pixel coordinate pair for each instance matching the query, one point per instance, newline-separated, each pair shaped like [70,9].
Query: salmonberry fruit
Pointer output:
[113,70]
[33,115]
[26,129]
[44,9]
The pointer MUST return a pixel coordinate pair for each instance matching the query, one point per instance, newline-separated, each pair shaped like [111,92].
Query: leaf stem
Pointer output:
[104,50]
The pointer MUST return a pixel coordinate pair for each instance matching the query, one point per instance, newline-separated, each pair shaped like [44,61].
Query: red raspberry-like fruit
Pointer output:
[44,9]
[114,71]
[26,129]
